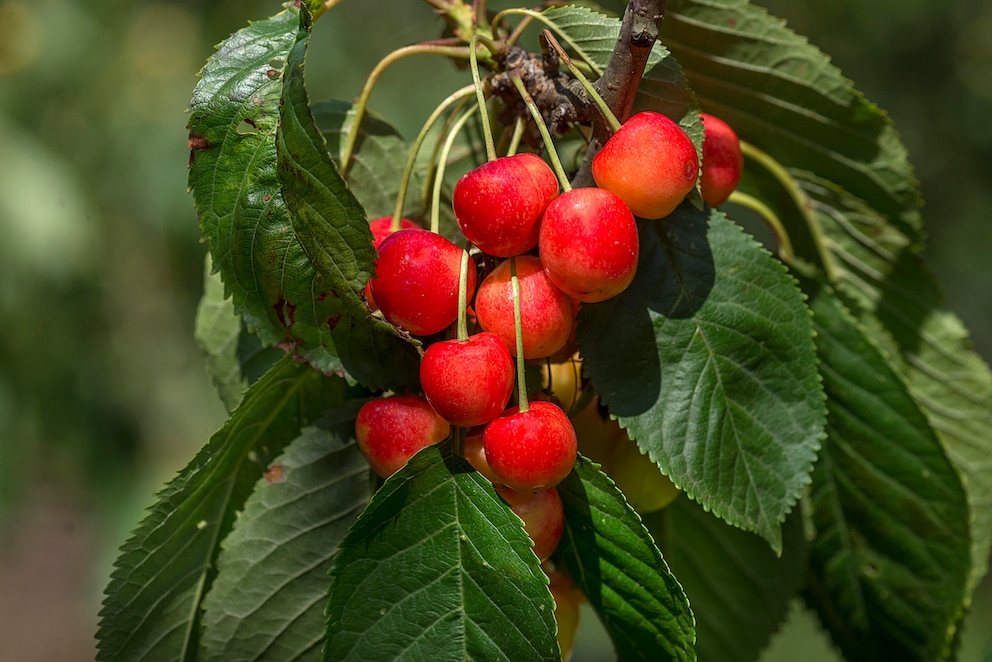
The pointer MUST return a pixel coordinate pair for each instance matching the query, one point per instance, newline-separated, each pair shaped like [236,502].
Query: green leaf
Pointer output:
[899,303]
[438,568]
[707,359]
[783,95]
[663,87]
[326,217]
[153,600]
[288,293]
[739,589]
[614,561]
[234,113]
[331,227]
[234,358]
[218,332]
[268,599]
[890,554]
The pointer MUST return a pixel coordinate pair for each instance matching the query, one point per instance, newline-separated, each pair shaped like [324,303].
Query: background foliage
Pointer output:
[103,394]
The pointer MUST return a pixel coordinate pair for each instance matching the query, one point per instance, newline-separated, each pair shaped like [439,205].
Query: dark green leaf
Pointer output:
[332,229]
[234,114]
[890,557]
[267,602]
[783,95]
[153,600]
[707,359]
[438,568]
[899,303]
[614,561]
[326,218]
[739,590]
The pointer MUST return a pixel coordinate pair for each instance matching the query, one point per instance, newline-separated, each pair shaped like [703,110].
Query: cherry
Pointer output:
[563,380]
[650,163]
[416,282]
[382,228]
[545,311]
[588,244]
[533,449]
[391,430]
[602,440]
[468,382]
[498,204]
[475,453]
[722,160]
[542,514]
[568,607]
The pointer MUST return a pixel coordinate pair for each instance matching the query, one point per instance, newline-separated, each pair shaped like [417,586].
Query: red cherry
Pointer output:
[543,516]
[468,382]
[382,228]
[391,430]
[474,452]
[533,449]
[416,282]
[650,163]
[722,160]
[498,204]
[588,244]
[545,311]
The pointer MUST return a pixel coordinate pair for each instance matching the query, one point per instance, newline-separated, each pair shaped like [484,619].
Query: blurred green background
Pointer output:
[103,394]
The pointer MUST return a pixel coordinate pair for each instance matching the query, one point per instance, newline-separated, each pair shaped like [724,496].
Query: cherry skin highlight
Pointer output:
[546,313]
[498,204]
[533,449]
[391,430]
[468,382]
[588,244]
[650,163]
[416,283]
[543,516]
[723,161]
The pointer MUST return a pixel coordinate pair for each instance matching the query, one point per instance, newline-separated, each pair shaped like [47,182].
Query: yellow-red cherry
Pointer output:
[498,204]
[650,162]
[533,449]
[546,313]
[391,430]
[588,244]
[542,514]
[723,161]
[468,382]
[416,282]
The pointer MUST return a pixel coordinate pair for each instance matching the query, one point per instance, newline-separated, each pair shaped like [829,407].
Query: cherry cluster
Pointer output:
[539,250]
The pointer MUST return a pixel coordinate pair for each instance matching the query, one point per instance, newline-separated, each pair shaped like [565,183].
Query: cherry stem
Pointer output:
[442,159]
[323,8]
[480,95]
[363,98]
[519,333]
[545,134]
[549,38]
[518,135]
[785,250]
[411,161]
[798,199]
[463,297]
